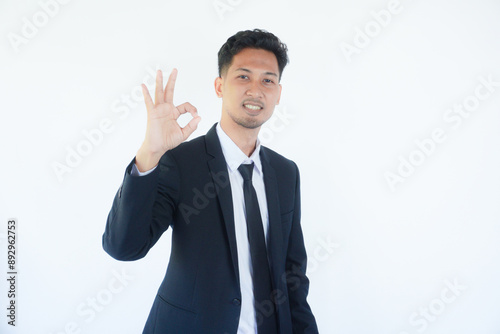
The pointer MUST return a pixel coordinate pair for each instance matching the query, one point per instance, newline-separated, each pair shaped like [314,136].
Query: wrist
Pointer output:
[146,160]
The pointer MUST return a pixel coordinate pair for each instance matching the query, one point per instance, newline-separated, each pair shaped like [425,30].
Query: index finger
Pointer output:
[169,88]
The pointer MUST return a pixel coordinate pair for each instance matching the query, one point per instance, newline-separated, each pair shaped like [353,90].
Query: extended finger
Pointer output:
[169,88]
[159,87]
[147,98]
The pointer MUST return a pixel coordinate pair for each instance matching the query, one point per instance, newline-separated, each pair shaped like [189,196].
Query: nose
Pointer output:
[254,90]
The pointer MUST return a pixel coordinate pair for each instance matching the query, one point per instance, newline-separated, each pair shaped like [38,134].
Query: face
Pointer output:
[249,88]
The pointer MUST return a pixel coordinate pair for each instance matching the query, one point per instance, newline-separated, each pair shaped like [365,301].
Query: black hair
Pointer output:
[254,39]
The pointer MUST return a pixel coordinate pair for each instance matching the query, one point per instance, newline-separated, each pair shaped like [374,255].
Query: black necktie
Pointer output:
[262,286]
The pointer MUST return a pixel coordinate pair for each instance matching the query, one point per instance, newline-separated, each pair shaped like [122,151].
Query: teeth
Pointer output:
[249,106]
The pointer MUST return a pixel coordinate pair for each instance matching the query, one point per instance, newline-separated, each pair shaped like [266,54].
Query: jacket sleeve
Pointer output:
[303,321]
[142,210]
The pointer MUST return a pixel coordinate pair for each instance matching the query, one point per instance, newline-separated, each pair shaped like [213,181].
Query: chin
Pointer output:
[248,123]
[251,124]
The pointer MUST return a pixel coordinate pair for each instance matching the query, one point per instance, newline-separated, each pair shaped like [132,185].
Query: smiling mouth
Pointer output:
[252,107]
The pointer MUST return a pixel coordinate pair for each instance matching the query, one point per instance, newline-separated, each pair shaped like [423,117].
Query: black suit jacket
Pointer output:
[190,191]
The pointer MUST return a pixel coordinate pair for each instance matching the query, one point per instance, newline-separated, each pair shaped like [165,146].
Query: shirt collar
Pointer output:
[234,155]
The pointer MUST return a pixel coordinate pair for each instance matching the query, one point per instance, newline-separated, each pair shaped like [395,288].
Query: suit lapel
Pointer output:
[275,234]
[220,177]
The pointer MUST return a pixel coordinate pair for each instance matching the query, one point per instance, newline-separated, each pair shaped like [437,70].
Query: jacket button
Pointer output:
[236,302]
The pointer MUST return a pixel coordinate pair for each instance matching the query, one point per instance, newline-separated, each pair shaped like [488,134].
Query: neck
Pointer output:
[244,138]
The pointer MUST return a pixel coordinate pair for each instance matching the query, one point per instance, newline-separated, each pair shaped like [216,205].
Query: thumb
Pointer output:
[190,127]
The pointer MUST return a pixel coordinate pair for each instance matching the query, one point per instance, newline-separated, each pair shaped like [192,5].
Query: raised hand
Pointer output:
[163,132]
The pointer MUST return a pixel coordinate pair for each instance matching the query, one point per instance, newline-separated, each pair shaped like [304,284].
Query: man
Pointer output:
[238,261]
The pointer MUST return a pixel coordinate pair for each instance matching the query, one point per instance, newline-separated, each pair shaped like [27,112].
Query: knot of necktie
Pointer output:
[246,171]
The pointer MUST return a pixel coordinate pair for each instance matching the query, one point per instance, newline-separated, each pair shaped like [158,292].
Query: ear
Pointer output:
[279,96]
[218,86]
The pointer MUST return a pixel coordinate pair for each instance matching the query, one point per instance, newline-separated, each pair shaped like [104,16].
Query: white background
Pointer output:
[380,257]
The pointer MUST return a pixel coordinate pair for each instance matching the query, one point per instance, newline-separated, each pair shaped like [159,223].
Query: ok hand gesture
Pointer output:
[163,132]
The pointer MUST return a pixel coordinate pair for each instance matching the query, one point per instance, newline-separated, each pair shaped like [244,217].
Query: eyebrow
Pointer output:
[248,71]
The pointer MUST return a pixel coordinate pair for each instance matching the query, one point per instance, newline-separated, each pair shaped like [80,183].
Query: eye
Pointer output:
[268,81]
[243,76]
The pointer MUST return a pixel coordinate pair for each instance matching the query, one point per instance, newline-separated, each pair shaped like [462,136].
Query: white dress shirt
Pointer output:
[234,158]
